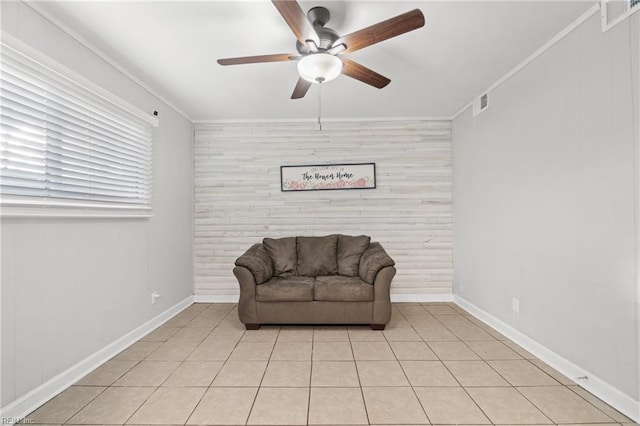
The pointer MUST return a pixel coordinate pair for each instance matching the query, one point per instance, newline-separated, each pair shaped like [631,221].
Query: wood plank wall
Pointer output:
[238,199]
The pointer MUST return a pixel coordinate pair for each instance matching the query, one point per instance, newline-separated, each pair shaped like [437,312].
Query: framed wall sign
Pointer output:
[328,177]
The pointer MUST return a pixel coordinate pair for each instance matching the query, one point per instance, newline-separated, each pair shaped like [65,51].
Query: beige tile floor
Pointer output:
[435,364]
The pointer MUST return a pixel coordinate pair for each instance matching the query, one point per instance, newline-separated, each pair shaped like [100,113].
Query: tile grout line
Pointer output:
[563,386]
[224,362]
[355,363]
[465,389]
[570,387]
[255,398]
[83,407]
[424,410]
[310,377]
[462,387]
[214,377]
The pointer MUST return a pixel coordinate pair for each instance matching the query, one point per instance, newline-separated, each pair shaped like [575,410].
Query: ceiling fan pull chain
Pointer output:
[319,104]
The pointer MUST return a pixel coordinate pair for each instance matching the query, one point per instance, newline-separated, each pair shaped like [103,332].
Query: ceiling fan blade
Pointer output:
[382,31]
[302,86]
[297,20]
[360,72]
[257,59]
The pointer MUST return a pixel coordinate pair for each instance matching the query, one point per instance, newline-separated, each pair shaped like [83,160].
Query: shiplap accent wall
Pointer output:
[238,199]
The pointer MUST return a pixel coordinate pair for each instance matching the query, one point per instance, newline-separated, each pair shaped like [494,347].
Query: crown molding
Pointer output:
[108,59]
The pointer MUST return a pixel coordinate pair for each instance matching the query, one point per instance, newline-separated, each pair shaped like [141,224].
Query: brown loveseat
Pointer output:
[336,279]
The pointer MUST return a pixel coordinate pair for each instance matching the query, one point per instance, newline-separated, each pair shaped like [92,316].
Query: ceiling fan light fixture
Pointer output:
[319,67]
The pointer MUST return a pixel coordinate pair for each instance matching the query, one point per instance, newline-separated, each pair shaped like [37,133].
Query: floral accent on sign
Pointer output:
[327,177]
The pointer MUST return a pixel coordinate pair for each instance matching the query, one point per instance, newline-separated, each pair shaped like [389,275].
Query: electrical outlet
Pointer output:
[515,305]
[154,297]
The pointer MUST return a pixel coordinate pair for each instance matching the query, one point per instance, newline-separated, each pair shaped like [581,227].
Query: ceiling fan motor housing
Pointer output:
[327,37]
[318,17]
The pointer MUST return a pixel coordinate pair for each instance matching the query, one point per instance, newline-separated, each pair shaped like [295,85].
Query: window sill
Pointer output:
[71,212]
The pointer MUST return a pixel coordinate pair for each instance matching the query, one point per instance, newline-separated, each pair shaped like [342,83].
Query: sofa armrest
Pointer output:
[258,261]
[382,295]
[247,308]
[372,261]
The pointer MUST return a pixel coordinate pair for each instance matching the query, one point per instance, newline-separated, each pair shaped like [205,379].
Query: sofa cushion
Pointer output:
[350,250]
[373,259]
[282,252]
[317,255]
[337,288]
[286,289]
[257,260]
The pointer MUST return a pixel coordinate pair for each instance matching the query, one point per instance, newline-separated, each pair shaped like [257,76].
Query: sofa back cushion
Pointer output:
[373,260]
[350,251]
[317,255]
[282,252]
[257,260]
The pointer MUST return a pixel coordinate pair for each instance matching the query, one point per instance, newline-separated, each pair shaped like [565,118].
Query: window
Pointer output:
[69,145]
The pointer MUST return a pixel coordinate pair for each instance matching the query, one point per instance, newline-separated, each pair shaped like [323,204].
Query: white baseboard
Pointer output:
[216,298]
[16,411]
[600,388]
[395,298]
[421,297]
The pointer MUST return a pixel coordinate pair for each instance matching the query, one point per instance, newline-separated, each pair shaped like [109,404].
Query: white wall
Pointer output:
[72,286]
[635,71]
[238,200]
[635,35]
[544,194]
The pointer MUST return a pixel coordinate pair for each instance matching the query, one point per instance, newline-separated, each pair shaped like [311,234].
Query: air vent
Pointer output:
[481,103]
[615,11]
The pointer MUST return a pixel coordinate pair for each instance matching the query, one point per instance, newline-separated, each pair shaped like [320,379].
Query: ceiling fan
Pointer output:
[320,49]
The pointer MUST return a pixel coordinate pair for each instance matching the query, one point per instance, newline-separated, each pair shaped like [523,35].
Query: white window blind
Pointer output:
[64,144]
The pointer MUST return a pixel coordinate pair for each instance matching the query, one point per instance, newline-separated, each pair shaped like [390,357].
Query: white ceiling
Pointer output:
[434,71]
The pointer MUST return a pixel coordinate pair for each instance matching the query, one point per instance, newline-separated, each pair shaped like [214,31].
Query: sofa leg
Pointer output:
[252,326]
[378,326]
